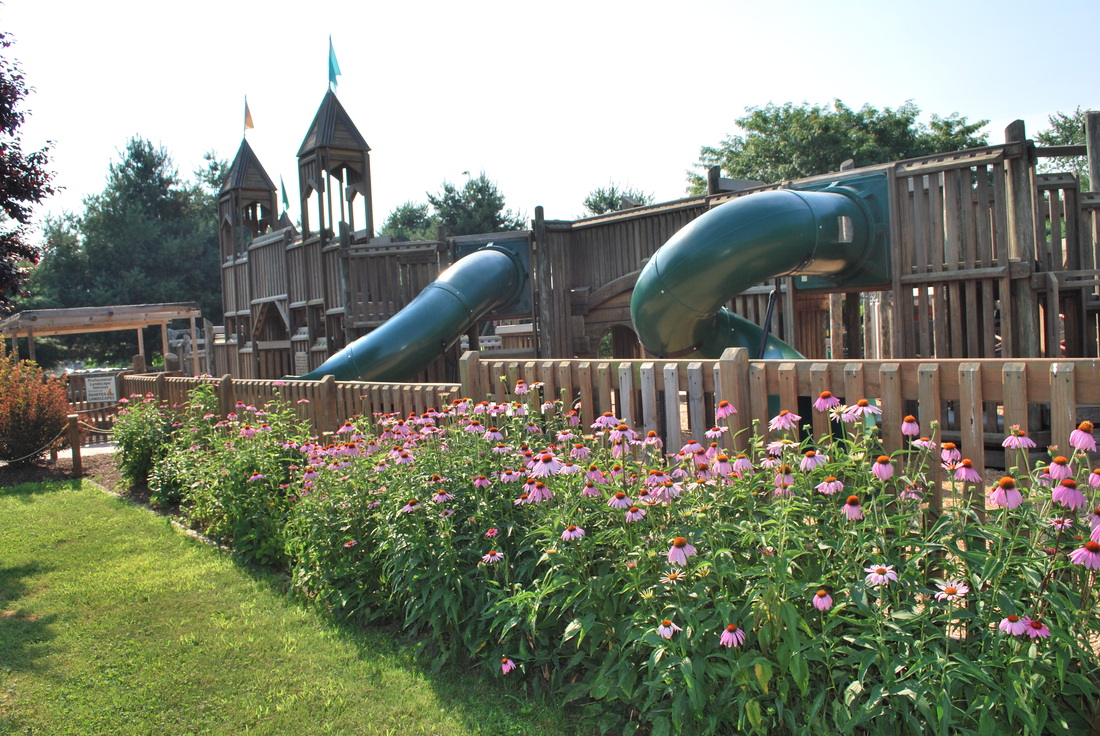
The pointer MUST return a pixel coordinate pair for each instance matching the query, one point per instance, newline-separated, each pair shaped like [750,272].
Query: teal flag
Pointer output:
[286,200]
[333,65]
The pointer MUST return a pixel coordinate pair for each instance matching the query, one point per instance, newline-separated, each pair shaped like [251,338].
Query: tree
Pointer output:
[476,208]
[1066,130]
[792,141]
[24,182]
[610,199]
[410,221]
[147,238]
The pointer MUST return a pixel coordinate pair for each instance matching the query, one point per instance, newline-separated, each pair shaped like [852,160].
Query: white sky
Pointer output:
[550,99]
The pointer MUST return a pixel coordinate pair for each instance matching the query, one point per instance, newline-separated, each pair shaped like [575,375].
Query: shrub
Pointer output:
[33,411]
[142,431]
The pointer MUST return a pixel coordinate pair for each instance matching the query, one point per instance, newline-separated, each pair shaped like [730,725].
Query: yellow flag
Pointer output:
[247,116]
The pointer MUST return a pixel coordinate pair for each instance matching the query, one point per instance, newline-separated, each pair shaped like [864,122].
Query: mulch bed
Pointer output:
[99,468]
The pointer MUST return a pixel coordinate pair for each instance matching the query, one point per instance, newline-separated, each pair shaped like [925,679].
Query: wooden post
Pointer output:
[328,404]
[164,349]
[30,344]
[543,293]
[468,375]
[1092,144]
[194,350]
[1021,241]
[973,438]
[141,343]
[714,173]
[74,443]
[224,389]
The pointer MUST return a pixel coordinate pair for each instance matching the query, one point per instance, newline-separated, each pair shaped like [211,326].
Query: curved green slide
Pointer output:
[677,303]
[487,279]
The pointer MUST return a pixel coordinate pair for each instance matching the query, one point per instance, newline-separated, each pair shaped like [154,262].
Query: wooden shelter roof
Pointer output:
[332,128]
[79,320]
[246,172]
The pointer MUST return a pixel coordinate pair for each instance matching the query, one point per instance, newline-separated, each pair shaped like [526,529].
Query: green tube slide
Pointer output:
[487,279]
[677,303]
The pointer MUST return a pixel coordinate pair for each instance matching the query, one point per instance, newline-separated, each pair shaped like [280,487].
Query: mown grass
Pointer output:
[112,622]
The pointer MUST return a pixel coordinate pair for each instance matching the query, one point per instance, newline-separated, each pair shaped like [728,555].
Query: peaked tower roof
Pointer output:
[332,127]
[246,172]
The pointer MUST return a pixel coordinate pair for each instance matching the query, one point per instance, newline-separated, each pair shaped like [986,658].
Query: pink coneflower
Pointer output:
[777,447]
[950,454]
[733,636]
[826,401]
[1094,478]
[966,473]
[606,421]
[545,465]
[722,465]
[1089,555]
[880,574]
[673,577]
[506,665]
[1067,494]
[573,418]
[783,490]
[540,493]
[493,557]
[634,514]
[909,426]
[1017,439]
[521,387]
[924,444]
[830,486]
[812,459]
[784,420]
[742,466]
[1013,625]
[653,440]
[861,410]
[852,509]
[1082,439]
[784,477]
[481,482]
[411,506]
[951,591]
[442,497]
[572,532]
[1061,523]
[596,475]
[352,543]
[622,432]
[493,434]
[510,476]
[523,500]
[492,532]
[1036,629]
[580,451]
[256,476]
[724,409]
[404,458]
[591,490]
[680,551]
[822,600]
[619,501]
[883,469]
[668,491]
[667,629]
[1059,468]
[1094,518]
[1005,494]
[715,432]
[347,428]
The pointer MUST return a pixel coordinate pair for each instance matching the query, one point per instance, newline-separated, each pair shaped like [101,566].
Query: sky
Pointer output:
[550,100]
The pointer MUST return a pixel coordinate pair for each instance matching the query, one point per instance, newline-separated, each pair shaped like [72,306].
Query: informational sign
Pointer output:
[101,389]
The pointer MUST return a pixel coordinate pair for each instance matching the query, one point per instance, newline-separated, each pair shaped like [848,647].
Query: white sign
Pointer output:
[101,389]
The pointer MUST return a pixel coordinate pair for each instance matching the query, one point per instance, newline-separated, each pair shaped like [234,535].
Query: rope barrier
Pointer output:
[40,450]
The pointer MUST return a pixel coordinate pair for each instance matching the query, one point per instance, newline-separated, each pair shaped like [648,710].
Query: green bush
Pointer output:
[142,431]
[33,411]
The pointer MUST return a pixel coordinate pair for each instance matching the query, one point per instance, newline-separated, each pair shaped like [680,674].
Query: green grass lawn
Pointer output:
[112,622]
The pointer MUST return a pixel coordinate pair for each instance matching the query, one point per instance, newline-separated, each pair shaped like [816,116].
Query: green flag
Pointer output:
[286,200]
[333,65]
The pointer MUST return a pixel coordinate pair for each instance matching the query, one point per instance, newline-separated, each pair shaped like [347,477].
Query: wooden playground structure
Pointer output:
[989,258]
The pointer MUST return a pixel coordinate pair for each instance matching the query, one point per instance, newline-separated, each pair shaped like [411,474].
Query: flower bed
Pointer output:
[801,586]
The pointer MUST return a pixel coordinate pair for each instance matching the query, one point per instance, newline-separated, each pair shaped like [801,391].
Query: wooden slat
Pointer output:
[671,379]
[647,386]
[697,419]
[1063,414]
[819,382]
[971,415]
[931,419]
[626,395]
[758,397]
[892,412]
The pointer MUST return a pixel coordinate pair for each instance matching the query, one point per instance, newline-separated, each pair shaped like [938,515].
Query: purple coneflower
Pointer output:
[1013,625]
[909,426]
[826,401]
[506,665]
[1036,629]
[784,477]
[883,469]
[591,490]
[442,497]
[1017,439]
[493,557]
[411,506]
[1067,494]
[951,591]
[1094,478]
[521,387]
[966,473]
[492,532]
[733,636]
[481,482]
[822,600]
[580,451]
[1094,518]
[493,434]
[352,543]
[596,475]
[572,532]
[1059,468]
[541,493]
[715,432]
[1061,523]
[1082,439]
[606,421]
[861,409]
[924,444]
[634,514]
[256,476]
[724,409]
[784,420]
[545,465]
[722,465]
[852,509]
[880,574]
[1089,555]
[667,629]
[742,466]
[619,501]
[1005,494]
[680,551]
[830,486]
[346,428]
[950,454]
[812,459]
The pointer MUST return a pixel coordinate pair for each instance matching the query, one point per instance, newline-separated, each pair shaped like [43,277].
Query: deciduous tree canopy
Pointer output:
[1066,130]
[792,141]
[611,199]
